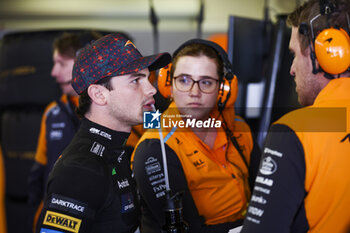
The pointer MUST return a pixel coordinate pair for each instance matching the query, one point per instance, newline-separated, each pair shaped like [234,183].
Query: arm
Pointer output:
[35,191]
[36,174]
[36,184]
[255,157]
[278,195]
[74,195]
[149,175]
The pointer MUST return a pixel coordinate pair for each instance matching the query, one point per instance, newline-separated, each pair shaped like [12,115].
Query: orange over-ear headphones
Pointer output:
[331,45]
[228,87]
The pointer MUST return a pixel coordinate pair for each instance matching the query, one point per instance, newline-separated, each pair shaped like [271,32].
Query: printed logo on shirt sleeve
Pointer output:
[152,166]
[68,205]
[273,152]
[62,221]
[268,166]
[155,176]
[263,180]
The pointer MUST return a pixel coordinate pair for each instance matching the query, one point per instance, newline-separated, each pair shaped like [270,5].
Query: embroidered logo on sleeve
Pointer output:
[152,166]
[56,134]
[155,176]
[67,204]
[62,221]
[268,166]
[263,180]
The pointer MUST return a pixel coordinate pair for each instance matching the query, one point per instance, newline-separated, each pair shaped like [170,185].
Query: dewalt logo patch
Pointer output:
[62,221]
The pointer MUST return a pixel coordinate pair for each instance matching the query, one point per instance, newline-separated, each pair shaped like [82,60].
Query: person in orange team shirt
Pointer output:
[303,184]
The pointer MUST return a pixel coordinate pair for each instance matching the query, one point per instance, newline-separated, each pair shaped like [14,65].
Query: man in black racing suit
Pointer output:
[90,188]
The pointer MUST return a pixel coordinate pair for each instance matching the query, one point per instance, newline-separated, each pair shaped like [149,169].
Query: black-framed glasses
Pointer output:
[206,85]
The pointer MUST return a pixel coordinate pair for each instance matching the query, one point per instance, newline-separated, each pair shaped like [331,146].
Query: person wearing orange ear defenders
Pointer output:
[303,184]
[211,166]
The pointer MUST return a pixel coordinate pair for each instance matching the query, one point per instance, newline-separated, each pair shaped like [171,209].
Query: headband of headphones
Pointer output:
[221,52]
[228,88]
[331,45]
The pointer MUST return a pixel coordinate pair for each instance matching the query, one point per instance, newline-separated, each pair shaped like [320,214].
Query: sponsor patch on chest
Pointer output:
[97,149]
[123,183]
[127,202]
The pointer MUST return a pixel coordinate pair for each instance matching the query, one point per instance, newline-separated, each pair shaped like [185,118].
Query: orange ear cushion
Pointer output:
[225,89]
[164,81]
[332,48]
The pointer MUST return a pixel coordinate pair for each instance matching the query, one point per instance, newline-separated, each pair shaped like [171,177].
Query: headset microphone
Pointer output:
[65,83]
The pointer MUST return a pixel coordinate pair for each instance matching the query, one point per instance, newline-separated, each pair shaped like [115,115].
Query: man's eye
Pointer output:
[136,80]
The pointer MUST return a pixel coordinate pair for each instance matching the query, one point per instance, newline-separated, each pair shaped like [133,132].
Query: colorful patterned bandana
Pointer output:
[111,55]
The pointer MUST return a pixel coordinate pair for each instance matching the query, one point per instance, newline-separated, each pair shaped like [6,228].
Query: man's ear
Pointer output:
[97,94]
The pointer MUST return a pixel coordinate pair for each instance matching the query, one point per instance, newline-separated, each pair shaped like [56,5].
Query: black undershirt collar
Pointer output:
[111,139]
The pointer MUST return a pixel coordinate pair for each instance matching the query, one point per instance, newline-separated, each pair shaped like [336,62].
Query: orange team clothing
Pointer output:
[303,184]
[214,180]
[2,194]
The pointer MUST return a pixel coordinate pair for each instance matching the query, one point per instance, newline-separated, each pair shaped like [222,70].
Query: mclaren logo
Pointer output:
[346,138]
[129,42]
[329,40]
[62,221]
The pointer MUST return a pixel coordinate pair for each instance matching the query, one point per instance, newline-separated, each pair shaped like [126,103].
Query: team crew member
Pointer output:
[203,163]
[90,188]
[303,184]
[59,122]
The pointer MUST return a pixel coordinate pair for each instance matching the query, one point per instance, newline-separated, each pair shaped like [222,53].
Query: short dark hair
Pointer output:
[85,100]
[196,50]
[69,43]
[310,9]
